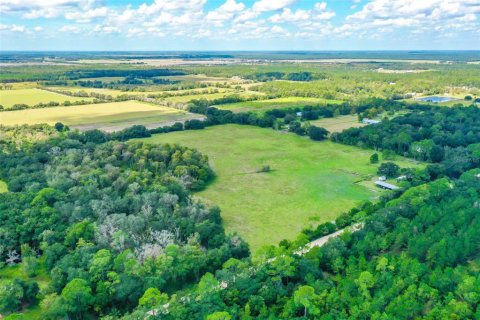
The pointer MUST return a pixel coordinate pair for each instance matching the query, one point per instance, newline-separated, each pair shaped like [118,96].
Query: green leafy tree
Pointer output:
[76,298]
[374,158]
[388,169]
[305,296]
[220,315]
[152,297]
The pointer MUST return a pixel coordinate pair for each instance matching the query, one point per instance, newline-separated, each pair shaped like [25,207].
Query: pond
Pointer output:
[436,99]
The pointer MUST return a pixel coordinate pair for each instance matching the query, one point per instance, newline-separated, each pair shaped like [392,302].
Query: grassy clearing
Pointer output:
[202,78]
[338,124]
[34,96]
[110,92]
[263,105]
[310,182]
[115,93]
[126,112]
[208,96]
[3,186]
[42,278]
[103,79]
[18,85]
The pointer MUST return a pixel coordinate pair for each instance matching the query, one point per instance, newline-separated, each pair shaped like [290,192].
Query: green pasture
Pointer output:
[208,96]
[309,182]
[339,123]
[33,96]
[268,104]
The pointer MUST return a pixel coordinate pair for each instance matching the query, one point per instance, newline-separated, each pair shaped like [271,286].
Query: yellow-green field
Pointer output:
[208,96]
[3,186]
[268,104]
[115,93]
[31,97]
[309,182]
[338,124]
[108,116]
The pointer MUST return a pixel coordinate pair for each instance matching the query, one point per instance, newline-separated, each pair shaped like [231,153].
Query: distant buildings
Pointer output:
[385,185]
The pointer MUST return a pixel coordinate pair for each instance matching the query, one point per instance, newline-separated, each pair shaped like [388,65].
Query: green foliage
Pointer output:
[383,269]
[388,169]
[109,220]
[374,158]
[305,296]
[152,297]
[76,298]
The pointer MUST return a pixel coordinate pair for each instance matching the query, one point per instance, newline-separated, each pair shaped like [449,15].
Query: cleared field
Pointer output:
[208,96]
[3,186]
[107,116]
[115,93]
[103,79]
[31,97]
[310,182]
[263,105]
[338,124]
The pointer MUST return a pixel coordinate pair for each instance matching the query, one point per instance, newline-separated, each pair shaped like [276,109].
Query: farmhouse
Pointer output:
[385,185]
[370,121]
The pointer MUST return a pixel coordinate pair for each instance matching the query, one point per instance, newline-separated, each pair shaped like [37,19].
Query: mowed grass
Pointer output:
[339,123]
[208,96]
[31,97]
[310,182]
[133,112]
[3,186]
[268,104]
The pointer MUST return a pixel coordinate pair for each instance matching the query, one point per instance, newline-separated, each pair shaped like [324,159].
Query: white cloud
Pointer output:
[12,28]
[288,16]
[88,15]
[271,5]
[418,16]
[226,11]
[38,29]
[320,6]
[33,9]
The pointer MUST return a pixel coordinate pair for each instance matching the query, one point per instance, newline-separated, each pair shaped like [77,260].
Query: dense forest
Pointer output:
[415,258]
[447,137]
[106,220]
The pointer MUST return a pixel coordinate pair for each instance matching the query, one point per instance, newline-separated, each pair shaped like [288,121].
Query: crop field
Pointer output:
[33,96]
[108,116]
[338,124]
[268,104]
[309,182]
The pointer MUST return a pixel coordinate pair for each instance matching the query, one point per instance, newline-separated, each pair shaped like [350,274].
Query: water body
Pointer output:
[437,99]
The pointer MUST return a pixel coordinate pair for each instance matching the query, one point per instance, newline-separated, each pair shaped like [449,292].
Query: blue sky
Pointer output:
[239,25]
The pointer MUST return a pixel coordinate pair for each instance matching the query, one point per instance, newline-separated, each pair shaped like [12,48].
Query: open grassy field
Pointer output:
[115,93]
[34,96]
[108,116]
[268,104]
[3,186]
[310,182]
[338,124]
[42,278]
[208,96]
